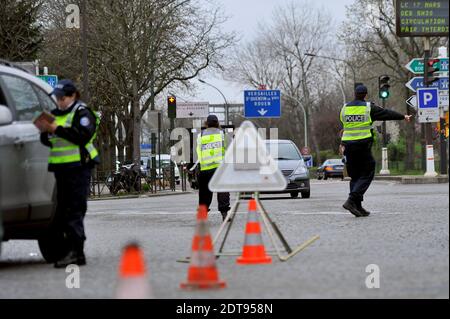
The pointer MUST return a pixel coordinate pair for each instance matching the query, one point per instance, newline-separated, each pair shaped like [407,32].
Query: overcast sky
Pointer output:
[244,17]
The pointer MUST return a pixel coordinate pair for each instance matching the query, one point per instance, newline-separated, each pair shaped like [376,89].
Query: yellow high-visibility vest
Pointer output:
[210,149]
[65,152]
[357,122]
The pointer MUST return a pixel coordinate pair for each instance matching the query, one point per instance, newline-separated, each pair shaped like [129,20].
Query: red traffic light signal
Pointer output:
[172,107]
[432,67]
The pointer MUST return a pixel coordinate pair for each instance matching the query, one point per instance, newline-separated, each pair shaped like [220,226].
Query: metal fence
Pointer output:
[129,182]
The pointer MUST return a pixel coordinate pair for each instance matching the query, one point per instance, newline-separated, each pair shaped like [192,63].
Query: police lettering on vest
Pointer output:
[355,118]
[210,149]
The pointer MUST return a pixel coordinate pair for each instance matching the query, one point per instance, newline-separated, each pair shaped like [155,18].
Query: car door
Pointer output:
[42,182]
[13,198]
[38,183]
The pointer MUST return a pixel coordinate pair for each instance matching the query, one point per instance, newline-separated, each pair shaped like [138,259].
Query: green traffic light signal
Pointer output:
[384,94]
[383,87]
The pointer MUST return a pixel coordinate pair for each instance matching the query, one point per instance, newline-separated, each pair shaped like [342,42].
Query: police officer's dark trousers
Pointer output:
[360,167]
[72,193]
[205,195]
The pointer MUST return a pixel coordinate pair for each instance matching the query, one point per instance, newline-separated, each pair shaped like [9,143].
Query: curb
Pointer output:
[139,196]
[414,179]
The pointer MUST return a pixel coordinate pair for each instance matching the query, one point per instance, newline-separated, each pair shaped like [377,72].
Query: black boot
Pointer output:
[365,213]
[352,206]
[74,257]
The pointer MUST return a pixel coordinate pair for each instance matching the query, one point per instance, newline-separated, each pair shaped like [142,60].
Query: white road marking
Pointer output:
[239,213]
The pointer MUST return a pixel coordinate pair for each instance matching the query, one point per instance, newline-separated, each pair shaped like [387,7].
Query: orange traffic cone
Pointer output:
[254,251]
[202,273]
[133,282]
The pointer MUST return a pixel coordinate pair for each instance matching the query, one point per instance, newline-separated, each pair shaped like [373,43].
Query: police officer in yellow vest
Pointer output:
[357,118]
[210,153]
[72,157]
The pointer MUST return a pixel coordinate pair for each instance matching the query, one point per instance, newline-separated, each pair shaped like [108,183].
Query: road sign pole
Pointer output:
[431,172]
[172,166]
[159,148]
[443,142]
[384,151]
[443,151]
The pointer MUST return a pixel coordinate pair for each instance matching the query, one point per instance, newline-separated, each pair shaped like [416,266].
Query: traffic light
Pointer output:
[383,87]
[431,68]
[172,107]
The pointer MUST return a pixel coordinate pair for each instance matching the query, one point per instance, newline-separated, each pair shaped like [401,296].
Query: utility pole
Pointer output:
[85,52]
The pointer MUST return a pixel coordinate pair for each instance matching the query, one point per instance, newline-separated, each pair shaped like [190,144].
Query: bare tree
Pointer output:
[151,45]
[276,57]
[137,49]
[20,32]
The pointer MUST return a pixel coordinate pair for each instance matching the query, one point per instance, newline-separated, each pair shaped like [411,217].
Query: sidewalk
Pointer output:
[148,195]
[414,179]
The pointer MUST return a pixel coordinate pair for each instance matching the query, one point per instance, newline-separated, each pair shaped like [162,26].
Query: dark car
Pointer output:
[331,168]
[291,164]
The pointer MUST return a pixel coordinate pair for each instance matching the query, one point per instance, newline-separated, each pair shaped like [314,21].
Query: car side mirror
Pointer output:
[5,115]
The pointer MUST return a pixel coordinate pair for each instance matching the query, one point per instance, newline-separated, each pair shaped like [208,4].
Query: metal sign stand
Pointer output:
[271,227]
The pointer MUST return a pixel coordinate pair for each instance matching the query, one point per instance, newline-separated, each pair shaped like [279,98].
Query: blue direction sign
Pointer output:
[417,83]
[262,103]
[50,79]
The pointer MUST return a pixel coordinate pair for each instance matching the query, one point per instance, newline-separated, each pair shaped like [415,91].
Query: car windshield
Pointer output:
[164,163]
[334,162]
[286,151]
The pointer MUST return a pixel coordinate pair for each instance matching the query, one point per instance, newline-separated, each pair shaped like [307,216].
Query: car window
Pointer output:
[334,162]
[46,101]
[2,98]
[25,98]
[286,151]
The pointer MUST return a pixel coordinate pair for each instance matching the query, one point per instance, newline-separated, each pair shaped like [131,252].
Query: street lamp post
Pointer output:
[304,116]
[85,52]
[335,59]
[224,98]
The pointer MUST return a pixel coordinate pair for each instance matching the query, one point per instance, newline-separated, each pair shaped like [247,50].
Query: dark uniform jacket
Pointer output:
[81,132]
[377,113]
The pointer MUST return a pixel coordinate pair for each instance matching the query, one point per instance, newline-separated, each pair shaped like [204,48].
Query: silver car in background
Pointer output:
[291,164]
[27,189]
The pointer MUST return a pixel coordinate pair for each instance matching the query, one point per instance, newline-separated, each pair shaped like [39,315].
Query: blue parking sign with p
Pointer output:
[428,98]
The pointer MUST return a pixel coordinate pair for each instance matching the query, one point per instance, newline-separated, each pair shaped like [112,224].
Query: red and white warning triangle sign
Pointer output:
[247,166]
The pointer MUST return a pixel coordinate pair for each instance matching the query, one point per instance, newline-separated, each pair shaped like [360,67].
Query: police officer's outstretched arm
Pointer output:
[378,113]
